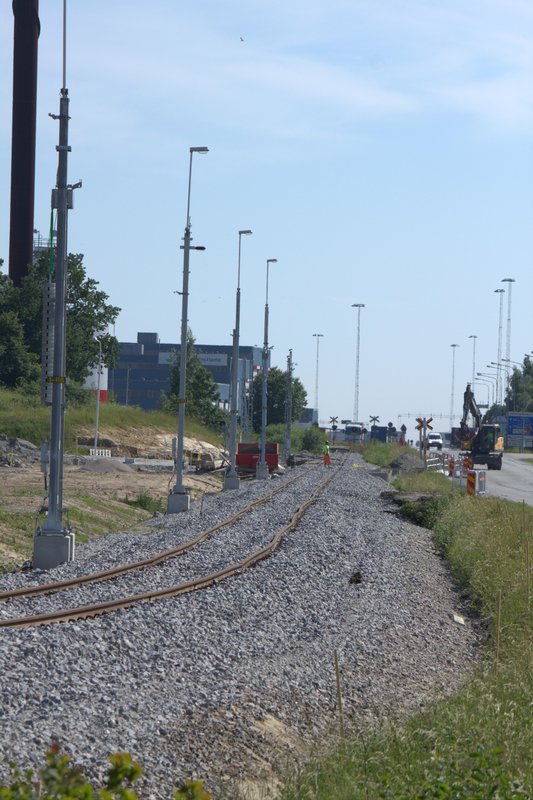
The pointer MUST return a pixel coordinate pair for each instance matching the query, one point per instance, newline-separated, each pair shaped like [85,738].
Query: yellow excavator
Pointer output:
[484,441]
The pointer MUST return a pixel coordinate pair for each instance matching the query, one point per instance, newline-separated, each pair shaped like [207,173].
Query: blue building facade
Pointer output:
[143,370]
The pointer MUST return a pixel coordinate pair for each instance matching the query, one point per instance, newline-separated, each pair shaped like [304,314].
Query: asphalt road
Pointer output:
[515,479]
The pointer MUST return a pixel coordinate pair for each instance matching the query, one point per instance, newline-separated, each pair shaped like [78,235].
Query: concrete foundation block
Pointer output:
[52,549]
[261,472]
[232,482]
[178,502]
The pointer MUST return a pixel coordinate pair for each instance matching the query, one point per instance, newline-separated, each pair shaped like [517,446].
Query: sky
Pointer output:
[382,152]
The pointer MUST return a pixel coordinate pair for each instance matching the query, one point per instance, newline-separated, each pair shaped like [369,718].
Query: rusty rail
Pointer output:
[96,609]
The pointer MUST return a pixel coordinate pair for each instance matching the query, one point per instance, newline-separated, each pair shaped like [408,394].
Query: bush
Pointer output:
[146,502]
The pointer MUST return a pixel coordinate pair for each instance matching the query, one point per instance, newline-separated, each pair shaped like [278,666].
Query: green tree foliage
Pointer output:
[276,398]
[520,391]
[87,313]
[18,367]
[201,392]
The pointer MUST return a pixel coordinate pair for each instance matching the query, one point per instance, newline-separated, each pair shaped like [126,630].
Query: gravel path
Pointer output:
[229,683]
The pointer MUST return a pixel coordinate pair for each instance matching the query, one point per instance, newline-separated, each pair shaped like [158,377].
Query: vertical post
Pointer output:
[288,409]
[318,337]
[358,306]
[97,416]
[473,337]
[509,282]
[261,471]
[500,292]
[339,691]
[231,480]
[453,346]
[53,543]
[25,50]
[178,499]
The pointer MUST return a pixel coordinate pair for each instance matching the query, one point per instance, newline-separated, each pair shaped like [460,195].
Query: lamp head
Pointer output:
[245,233]
[272,260]
[358,305]
[199,149]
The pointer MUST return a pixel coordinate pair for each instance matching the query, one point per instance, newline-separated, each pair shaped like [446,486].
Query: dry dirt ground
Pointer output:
[94,490]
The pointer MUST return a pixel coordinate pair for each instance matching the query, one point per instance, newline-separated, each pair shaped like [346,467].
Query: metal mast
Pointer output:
[54,543]
[473,337]
[453,346]
[500,292]
[358,306]
[318,337]
[510,282]
[288,409]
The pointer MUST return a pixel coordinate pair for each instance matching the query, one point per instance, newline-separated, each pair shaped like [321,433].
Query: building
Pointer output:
[144,367]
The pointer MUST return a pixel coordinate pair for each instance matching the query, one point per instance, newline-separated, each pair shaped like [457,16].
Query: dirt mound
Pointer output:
[101,465]
[407,462]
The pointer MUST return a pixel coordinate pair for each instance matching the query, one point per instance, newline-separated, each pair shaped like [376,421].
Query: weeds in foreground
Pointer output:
[58,779]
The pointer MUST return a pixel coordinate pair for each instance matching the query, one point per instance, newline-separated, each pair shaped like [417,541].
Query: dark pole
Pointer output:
[27,29]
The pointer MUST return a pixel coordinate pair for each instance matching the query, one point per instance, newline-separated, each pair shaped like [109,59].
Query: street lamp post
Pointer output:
[500,292]
[97,417]
[358,306]
[318,337]
[487,386]
[231,479]
[261,471]
[178,499]
[473,337]
[492,381]
[454,347]
[509,282]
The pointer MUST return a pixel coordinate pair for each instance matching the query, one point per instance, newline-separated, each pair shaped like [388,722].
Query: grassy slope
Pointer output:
[25,418]
[478,744]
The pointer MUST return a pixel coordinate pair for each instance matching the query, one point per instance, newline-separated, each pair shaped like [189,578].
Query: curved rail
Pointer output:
[96,609]
[114,572]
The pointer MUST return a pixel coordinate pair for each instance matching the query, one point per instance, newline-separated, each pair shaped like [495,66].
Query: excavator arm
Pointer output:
[470,407]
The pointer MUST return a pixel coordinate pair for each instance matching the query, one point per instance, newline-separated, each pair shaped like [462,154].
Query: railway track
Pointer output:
[92,610]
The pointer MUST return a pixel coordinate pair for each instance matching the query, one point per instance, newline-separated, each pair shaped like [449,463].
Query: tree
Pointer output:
[201,392]
[276,397]
[87,314]
[519,396]
[18,367]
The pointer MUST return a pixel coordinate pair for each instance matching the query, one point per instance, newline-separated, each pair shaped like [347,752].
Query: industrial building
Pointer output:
[143,370]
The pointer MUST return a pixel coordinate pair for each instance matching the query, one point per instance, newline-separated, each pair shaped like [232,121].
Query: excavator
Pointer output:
[484,442]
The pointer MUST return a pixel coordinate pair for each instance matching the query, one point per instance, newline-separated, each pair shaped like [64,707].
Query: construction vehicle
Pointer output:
[484,441]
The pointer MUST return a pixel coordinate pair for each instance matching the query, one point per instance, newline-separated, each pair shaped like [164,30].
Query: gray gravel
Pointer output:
[227,684]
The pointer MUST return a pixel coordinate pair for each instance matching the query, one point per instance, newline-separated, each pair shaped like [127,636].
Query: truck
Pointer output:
[483,442]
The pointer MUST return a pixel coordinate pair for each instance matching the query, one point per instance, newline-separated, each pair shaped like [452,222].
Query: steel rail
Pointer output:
[114,572]
[96,609]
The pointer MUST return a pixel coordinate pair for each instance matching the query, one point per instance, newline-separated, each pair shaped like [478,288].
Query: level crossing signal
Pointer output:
[424,423]
[333,423]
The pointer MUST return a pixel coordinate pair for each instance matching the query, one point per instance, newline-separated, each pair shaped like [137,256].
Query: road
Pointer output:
[515,479]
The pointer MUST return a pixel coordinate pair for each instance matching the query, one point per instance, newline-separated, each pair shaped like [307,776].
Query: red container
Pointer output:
[249,454]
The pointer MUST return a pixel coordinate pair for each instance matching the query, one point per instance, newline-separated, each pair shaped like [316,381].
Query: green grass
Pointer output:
[479,743]
[146,502]
[24,417]
[381,453]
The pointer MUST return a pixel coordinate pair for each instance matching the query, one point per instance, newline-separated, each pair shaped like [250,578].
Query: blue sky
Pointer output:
[382,152]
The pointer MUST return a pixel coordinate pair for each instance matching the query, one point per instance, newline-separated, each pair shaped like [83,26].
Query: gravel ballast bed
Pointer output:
[224,682]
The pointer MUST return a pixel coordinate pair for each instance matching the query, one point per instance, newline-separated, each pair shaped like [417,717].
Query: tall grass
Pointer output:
[478,744]
[381,453]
